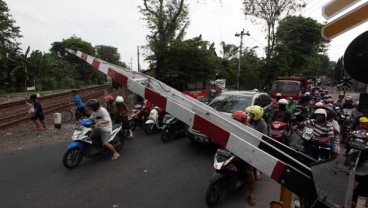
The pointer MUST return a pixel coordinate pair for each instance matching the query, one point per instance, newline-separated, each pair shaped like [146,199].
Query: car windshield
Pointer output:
[285,86]
[230,103]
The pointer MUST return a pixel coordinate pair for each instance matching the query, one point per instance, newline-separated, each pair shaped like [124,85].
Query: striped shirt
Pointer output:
[320,131]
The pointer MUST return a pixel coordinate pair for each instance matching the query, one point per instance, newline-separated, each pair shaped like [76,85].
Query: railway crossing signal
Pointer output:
[346,22]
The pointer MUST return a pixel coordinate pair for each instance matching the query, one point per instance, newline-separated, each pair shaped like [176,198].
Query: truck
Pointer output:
[290,87]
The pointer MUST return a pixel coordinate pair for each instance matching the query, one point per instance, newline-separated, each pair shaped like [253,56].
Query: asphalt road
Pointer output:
[148,174]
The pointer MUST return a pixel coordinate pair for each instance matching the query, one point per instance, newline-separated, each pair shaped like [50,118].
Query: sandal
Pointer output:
[115,157]
[251,200]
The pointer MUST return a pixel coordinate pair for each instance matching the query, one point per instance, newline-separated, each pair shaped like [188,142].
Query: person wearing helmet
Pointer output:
[275,101]
[290,106]
[349,103]
[122,114]
[102,126]
[340,100]
[77,100]
[250,171]
[336,128]
[282,114]
[255,120]
[322,128]
[109,100]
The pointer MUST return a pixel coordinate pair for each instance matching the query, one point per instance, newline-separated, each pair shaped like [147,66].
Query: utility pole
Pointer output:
[240,53]
[139,66]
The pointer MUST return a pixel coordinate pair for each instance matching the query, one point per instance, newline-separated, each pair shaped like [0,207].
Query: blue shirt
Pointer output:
[78,101]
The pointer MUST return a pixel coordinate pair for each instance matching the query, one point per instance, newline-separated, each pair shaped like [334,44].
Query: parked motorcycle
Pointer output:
[311,146]
[281,132]
[83,145]
[154,121]
[173,128]
[229,176]
[138,116]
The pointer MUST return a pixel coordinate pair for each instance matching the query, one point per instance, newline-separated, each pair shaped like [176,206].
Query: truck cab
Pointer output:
[290,87]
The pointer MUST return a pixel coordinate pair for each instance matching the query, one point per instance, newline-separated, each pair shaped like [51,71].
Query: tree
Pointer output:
[270,11]
[9,47]
[191,60]
[83,73]
[229,61]
[109,54]
[167,21]
[299,43]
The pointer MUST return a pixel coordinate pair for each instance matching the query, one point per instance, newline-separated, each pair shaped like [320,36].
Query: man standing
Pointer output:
[80,106]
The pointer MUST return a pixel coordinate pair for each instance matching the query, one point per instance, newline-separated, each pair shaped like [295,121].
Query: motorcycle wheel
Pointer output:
[165,136]
[150,128]
[72,158]
[118,141]
[213,194]
[133,124]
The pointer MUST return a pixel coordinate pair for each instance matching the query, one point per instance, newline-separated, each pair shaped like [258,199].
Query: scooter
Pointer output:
[83,145]
[230,175]
[281,132]
[173,128]
[154,121]
[311,146]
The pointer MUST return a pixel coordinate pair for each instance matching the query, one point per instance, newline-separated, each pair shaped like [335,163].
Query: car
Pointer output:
[231,101]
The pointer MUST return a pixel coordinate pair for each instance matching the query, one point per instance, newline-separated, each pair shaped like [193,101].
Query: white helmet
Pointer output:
[307,93]
[348,98]
[283,101]
[119,99]
[321,111]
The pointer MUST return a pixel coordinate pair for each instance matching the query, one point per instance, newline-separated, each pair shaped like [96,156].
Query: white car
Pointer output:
[228,102]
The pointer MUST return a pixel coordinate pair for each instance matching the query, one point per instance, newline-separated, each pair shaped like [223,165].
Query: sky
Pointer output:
[118,23]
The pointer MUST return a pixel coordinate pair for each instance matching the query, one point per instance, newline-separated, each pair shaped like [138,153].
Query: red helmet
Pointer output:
[319,105]
[240,116]
[109,98]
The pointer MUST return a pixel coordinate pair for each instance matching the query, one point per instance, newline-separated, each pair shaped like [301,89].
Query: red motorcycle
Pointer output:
[138,116]
[280,131]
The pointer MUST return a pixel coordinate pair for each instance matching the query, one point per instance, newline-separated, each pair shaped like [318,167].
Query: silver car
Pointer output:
[229,102]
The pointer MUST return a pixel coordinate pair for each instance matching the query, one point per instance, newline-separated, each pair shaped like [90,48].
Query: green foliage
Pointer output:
[298,46]
[270,11]
[108,53]
[190,61]
[167,21]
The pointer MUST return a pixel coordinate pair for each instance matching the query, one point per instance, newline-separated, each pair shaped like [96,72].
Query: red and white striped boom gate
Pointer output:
[288,167]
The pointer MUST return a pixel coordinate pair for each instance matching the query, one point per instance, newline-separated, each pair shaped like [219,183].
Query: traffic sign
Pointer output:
[346,22]
[335,7]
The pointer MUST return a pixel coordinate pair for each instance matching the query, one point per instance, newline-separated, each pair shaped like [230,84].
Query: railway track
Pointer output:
[14,113]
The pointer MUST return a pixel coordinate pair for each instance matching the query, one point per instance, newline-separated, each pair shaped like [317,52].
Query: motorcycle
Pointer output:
[280,131]
[230,175]
[311,146]
[154,121]
[138,116]
[83,145]
[357,158]
[172,128]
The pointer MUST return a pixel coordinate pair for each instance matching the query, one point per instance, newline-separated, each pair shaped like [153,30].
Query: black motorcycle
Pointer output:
[173,128]
[357,157]
[230,175]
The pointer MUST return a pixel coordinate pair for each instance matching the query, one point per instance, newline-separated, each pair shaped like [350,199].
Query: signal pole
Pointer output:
[240,53]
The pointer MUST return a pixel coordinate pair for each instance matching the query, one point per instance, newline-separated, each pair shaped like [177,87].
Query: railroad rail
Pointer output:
[14,113]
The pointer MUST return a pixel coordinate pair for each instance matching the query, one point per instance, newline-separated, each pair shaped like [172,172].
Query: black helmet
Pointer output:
[93,104]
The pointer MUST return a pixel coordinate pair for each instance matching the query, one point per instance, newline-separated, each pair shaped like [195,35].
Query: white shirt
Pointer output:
[102,114]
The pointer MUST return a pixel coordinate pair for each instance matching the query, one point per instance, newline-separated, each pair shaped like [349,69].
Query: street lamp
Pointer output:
[240,51]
